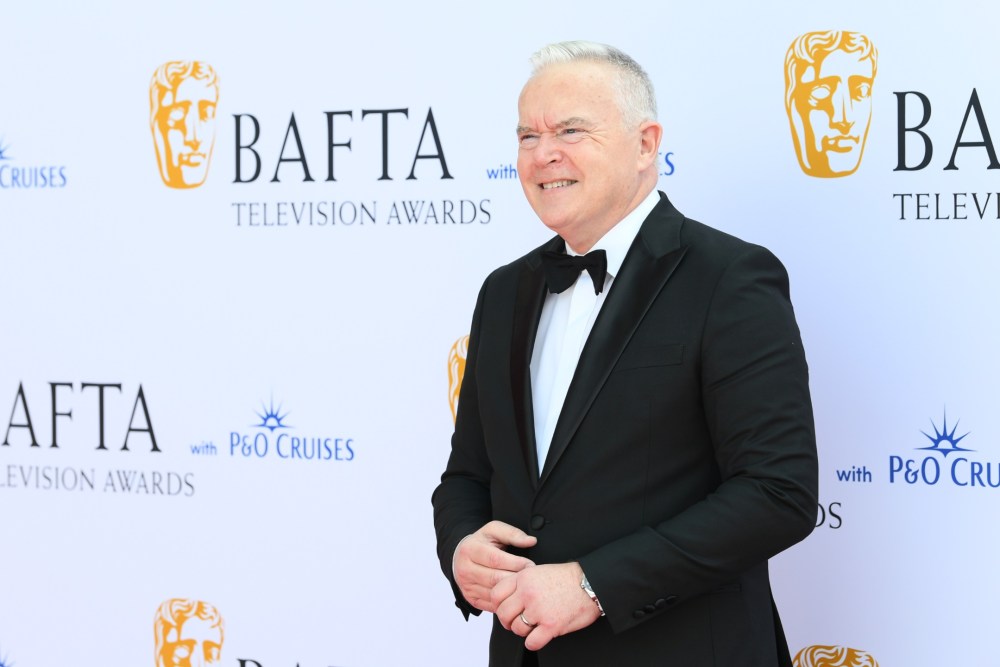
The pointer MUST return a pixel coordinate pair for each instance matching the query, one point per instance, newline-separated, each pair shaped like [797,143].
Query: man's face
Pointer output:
[186,123]
[193,643]
[578,165]
[834,102]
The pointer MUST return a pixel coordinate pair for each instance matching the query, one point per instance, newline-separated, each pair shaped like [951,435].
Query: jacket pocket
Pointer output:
[648,356]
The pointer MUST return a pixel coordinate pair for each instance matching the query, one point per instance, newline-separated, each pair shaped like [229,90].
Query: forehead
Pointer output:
[191,89]
[842,63]
[199,629]
[564,90]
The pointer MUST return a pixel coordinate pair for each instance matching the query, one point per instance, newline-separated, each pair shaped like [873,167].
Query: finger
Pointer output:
[538,638]
[503,590]
[482,603]
[477,575]
[508,610]
[484,595]
[504,533]
[489,554]
[498,559]
[521,627]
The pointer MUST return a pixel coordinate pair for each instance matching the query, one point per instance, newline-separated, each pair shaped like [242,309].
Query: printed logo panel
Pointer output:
[456,372]
[188,633]
[16,175]
[833,656]
[828,98]
[274,438]
[183,96]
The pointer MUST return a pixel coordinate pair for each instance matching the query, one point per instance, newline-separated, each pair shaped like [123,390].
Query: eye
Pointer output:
[175,117]
[527,140]
[818,95]
[862,90]
[207,111]
[571,135]
[181,655]
[212,652]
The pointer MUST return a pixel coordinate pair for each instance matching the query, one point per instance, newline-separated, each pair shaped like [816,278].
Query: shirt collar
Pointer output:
[618,239]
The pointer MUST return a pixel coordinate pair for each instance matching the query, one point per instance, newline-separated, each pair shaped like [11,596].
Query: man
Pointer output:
[188,633]
[182,101]
[828,98]
[629,448]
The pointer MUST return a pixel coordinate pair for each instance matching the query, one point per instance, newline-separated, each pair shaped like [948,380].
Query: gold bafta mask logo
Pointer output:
[828,98]
[833,656]
[456,371]
[189,633]
[182,100]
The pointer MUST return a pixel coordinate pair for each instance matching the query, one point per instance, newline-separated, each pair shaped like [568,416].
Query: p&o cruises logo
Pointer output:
[15,176]
[273,438]
[947,462]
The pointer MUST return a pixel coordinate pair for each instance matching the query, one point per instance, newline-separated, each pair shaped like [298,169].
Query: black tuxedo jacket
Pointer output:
[684,456]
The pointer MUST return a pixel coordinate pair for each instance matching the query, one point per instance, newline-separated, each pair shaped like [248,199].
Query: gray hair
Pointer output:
[636,98]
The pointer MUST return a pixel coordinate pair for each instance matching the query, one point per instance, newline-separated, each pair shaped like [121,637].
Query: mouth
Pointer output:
[842,144]
[191,159]
[556,184]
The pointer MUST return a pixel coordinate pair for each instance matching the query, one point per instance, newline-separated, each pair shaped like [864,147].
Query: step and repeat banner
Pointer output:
[239,250]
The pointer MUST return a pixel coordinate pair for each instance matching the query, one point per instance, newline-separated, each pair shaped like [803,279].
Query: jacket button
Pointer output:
[649,608]
[537,522]
[638,613]
[671,599]
[661,603]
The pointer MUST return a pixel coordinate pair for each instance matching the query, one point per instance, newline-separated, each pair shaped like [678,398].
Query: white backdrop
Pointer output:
[108,276]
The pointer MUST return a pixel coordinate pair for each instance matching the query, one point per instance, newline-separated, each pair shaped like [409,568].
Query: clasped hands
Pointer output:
[537,602]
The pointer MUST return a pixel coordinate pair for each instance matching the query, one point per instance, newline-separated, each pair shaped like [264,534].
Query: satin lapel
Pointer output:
[527,311]
[650,261]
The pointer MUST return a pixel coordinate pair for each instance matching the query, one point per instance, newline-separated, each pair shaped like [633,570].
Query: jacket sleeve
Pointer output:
[755,393]
[461,501]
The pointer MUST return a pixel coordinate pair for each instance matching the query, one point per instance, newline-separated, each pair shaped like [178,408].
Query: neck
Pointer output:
[584,239]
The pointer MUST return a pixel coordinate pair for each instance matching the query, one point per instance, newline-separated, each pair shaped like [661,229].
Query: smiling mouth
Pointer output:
[556,184]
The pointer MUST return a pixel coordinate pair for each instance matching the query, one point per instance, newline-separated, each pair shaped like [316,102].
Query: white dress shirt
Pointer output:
[565,324]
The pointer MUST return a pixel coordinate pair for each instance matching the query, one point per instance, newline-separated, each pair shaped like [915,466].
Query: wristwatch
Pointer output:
[585,585]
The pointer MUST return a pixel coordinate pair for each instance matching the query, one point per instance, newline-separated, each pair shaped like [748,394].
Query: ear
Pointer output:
[650,133]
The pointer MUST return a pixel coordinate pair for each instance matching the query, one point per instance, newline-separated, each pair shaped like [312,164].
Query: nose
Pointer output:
[839,120]
[191,127]
[548,150]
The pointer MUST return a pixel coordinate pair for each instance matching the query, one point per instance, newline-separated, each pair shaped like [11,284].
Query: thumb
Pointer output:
[504,533]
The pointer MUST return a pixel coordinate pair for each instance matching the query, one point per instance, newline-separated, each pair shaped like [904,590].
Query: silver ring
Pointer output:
[525,621]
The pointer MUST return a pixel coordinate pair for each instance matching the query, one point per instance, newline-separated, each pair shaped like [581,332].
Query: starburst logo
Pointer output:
[271,417]
[943,440]
[5,660]
[3,156]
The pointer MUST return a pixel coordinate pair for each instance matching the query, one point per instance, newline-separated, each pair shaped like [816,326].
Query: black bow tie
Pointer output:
[562,270]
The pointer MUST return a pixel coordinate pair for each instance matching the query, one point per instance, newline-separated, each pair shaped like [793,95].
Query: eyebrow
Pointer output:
[573,120]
